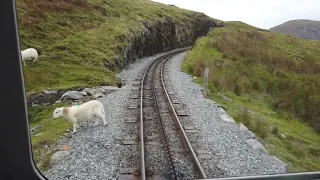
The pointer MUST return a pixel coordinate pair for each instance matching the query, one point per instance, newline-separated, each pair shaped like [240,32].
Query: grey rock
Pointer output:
[225,97]
[50,92]
[32,130]
[39,134]
[68,136]
[256,145]
[84,93]
[89,91]
[108,89]
[59,148]
[97,94]
[44,98]
[72,95]
[58,157]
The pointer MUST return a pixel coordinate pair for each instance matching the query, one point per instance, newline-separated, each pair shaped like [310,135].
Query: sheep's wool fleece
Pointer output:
[86,110]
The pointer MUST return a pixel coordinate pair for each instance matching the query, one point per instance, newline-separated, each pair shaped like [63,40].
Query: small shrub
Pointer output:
[275,131]
[199,69]
[245,117]
[299,150]
[261,127]
[237,90]
[256,85]
[224,55]
[245,84]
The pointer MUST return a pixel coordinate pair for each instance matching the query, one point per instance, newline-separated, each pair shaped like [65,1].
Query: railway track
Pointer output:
[164,149]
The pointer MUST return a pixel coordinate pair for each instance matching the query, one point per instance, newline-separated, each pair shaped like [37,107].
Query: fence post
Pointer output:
[205,90]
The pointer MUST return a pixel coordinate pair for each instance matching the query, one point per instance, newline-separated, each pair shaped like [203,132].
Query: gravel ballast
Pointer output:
[96,151]
[223,138]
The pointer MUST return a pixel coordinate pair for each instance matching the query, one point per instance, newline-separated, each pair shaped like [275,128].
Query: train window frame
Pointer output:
[17,159]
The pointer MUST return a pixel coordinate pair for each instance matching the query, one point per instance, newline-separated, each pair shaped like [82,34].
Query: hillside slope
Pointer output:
[267,81]
[83,42]
[306,29]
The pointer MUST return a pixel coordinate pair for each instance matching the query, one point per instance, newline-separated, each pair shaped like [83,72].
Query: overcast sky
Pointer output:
[260,13]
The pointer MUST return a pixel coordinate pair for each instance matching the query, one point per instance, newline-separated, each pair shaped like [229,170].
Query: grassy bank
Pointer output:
[269,82]
[48,132]
[80,41]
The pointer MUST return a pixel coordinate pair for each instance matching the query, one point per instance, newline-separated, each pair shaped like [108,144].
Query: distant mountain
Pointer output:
[302,28]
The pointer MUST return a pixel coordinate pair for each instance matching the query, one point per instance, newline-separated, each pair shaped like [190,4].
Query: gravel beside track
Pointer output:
[226,143]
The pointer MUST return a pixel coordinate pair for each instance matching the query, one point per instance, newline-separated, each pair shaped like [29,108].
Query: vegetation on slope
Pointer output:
[78,39]
[302,28]
[48,132]
[269,82]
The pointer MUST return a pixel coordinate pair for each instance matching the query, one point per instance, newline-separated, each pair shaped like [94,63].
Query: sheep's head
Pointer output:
[57,113]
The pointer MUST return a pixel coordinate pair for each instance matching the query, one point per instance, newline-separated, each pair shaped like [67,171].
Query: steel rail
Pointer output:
[141,132]
[181,130]
[173,172]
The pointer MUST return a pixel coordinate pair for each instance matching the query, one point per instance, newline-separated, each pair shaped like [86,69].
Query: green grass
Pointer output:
[50,130]
[271,84]
[80,42]
[300,146]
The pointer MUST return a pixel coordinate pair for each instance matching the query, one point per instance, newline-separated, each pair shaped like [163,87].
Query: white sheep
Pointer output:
[79,113]
[29,54]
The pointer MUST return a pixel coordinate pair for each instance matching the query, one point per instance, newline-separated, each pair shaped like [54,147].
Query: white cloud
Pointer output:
[262,14]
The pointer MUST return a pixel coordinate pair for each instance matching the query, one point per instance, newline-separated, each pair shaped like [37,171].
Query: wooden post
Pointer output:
[205,90]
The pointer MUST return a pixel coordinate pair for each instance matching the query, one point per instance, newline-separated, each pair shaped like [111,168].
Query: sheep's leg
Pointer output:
[74,123]
[74,128]
[24,62]
[103,119]
[35,59]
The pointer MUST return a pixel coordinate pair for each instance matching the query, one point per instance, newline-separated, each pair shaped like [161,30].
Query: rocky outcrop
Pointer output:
[162,36]
[74,94]
[48,97]
[58,157]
